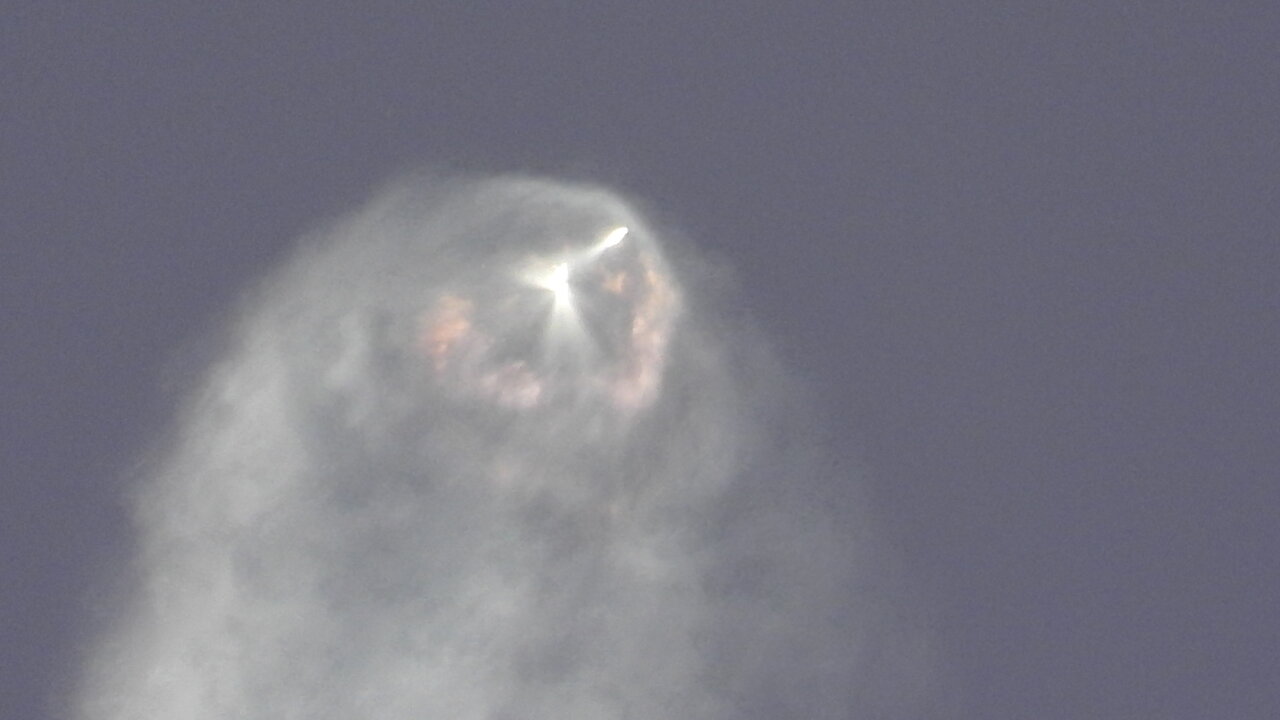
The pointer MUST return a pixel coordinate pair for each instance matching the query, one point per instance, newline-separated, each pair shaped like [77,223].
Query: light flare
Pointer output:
[557,281]
[613,239]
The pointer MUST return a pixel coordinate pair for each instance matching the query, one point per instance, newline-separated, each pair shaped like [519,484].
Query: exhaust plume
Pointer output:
[496,449]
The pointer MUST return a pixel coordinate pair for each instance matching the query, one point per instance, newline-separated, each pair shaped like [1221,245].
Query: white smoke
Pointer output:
[409,491]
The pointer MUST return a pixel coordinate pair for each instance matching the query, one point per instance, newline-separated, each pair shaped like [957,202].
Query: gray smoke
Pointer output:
[464,458]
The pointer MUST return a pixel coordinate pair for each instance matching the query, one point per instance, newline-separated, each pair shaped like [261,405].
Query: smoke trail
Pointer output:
[482,451]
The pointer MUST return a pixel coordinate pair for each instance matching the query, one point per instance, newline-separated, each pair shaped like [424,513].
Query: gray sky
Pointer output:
[1025,251]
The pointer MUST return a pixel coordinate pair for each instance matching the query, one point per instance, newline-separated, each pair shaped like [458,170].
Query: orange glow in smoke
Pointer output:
[443,327]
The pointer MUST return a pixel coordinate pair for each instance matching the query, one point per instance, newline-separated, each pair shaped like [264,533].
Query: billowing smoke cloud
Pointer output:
[486,450]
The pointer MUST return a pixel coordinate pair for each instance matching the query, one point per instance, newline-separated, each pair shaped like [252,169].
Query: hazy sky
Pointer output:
[1026,253]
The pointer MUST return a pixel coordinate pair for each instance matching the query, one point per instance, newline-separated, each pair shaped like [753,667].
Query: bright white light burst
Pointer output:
[614,237]
[557,281]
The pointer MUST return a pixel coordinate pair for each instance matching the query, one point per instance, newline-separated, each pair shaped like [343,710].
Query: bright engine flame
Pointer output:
[614,238]
[557,281]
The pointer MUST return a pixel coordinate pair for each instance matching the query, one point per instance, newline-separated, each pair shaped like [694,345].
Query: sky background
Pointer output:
[1028,254]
